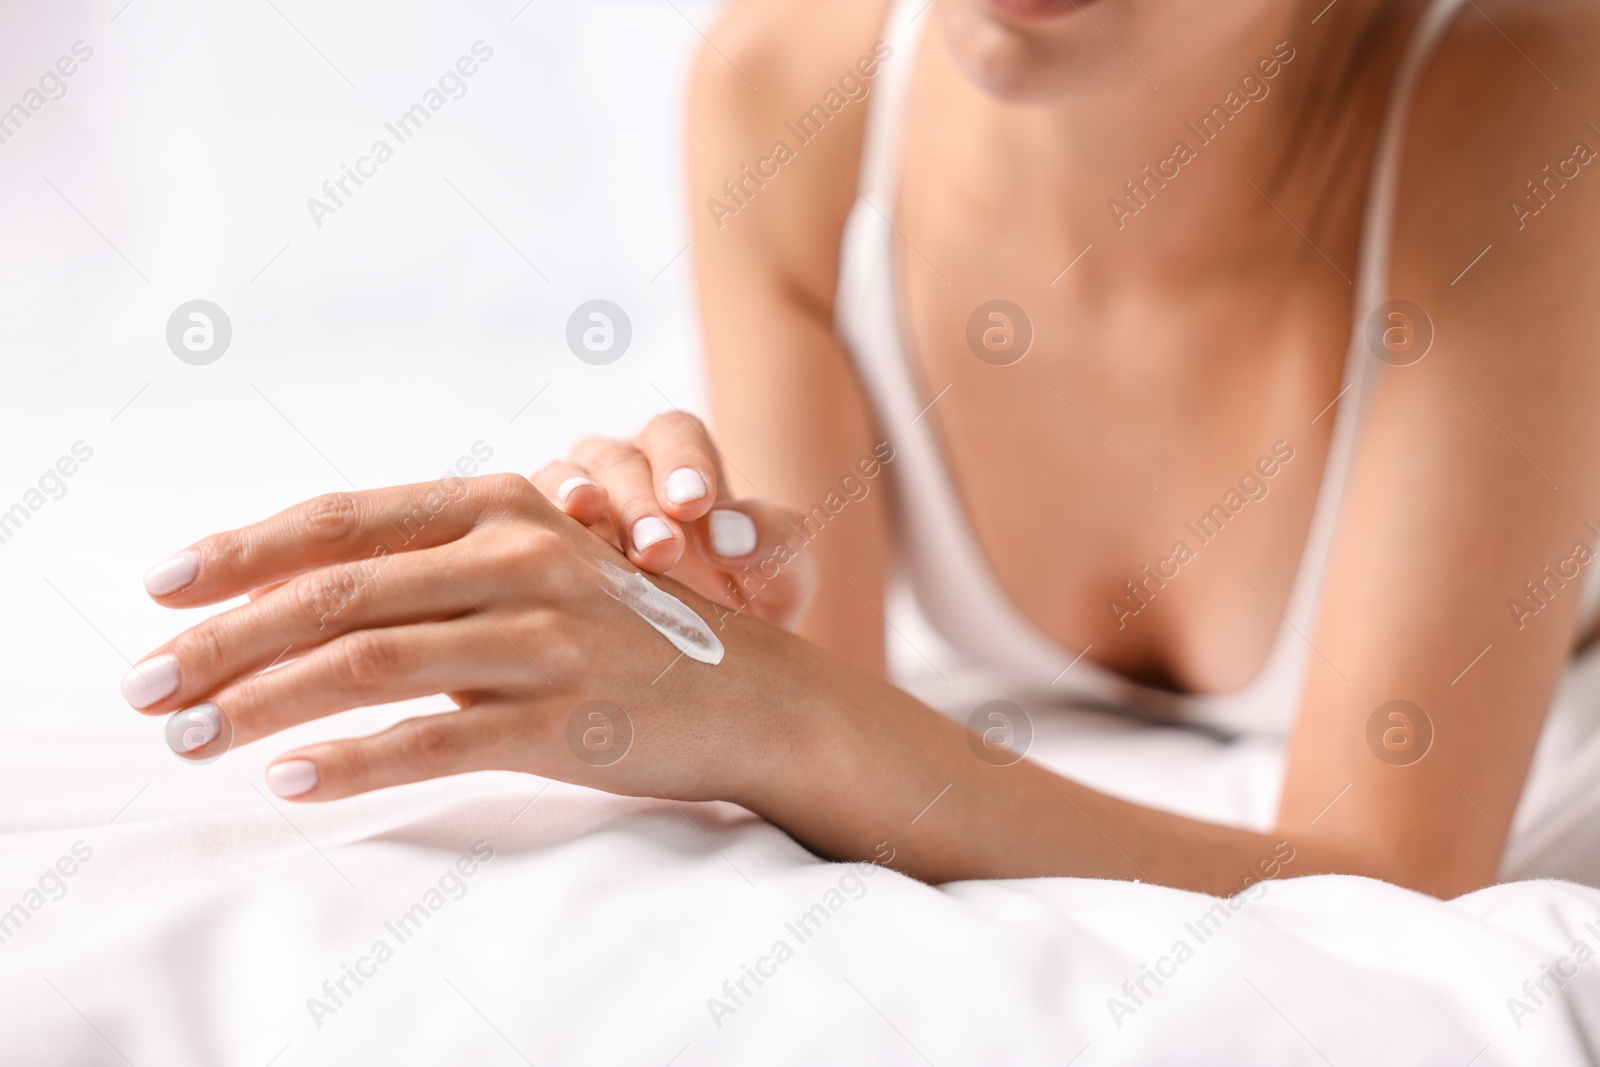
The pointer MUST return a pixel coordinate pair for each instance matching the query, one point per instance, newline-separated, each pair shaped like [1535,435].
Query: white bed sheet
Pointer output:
[426,317]
[210,915]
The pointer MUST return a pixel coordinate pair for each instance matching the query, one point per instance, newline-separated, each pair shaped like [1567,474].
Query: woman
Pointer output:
[1076,280]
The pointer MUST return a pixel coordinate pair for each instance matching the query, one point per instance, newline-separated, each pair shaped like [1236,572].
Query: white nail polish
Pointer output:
[292,777]
[171,575]
[733,533]
[648,530]
[566,488]
[685,485]
[150,681]
[200,726]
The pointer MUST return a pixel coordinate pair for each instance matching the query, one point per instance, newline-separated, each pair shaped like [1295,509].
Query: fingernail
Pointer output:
[566,488]
[292,777]
[685,485]
[733,533]
[648,530]
[150,681]
[171,575]
[195,727]
[204,726]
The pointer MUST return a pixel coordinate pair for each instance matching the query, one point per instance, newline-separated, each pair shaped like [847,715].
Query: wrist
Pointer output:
[845,760]
[795,733]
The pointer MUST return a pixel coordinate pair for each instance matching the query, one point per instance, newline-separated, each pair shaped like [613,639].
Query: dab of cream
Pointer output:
[671,617]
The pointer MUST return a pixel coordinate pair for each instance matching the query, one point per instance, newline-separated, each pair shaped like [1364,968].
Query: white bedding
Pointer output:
[379,349]
[209,917]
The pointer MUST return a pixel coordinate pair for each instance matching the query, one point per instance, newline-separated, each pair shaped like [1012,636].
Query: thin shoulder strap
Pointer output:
[1259,705]
[1377,238]
[1363,370]
[883,138]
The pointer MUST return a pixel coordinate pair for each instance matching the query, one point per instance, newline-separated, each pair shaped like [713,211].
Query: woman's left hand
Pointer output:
[479,589]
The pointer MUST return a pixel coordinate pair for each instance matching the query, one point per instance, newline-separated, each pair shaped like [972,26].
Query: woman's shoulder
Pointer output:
[1530,58]
[1504,127]
[777,109]
[1499,194]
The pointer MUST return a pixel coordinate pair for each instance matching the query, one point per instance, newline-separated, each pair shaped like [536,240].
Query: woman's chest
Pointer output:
[1140,466]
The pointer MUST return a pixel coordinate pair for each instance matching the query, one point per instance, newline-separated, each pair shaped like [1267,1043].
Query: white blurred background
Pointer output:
[428,314]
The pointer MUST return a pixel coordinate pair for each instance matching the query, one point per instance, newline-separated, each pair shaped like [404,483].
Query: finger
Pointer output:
[299,615]
[370,667]
[687,470]
[336,528]
[761,546]
[569,487]
[430,746]
[652,539]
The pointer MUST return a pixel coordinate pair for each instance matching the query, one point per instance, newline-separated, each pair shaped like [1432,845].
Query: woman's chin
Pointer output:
[1033,10]
[1009,61]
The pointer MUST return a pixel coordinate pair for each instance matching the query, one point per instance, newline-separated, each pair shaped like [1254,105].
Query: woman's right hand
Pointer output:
[662,499]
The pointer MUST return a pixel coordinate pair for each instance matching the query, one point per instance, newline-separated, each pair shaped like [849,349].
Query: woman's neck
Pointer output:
[1216,125]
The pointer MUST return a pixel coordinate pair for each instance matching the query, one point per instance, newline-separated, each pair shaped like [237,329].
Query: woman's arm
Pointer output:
[1478,467]
[789,413]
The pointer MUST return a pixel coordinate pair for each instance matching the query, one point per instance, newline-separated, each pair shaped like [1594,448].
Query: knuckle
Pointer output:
[363,659]
[560,658]
[497,546]
[538,557]
[332,516]
[508,492]
[543,544]
[528,574]
[508,483]
[523,551]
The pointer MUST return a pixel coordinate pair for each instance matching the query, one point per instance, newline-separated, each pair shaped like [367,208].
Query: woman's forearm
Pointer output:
[869,773]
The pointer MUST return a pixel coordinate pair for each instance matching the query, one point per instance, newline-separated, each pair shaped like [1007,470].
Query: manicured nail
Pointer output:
[195,727]
[203,726]
[733,533]
[685,485]
[292,777]
[171,575]
[150,681]
[648,530]
[571,485]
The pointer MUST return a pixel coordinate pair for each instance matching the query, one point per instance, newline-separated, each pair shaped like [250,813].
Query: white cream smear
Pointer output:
[671,617]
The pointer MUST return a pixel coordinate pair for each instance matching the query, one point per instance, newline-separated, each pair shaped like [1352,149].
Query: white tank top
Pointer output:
[939,552]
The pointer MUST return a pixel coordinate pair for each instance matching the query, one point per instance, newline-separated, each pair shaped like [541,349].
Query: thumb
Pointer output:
[758,547]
